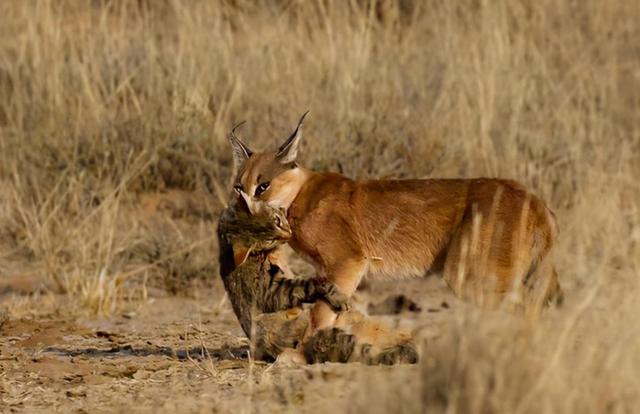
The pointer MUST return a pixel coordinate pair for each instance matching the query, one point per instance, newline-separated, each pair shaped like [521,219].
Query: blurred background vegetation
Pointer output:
[113,118]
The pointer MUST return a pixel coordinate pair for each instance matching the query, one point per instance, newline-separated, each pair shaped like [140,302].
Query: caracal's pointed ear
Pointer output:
[288,151]
[241,152]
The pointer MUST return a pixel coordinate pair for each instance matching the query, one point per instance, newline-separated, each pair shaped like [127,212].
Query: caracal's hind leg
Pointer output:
[555,295]
[541,286]
[491,263]
[466,267]
[485,259]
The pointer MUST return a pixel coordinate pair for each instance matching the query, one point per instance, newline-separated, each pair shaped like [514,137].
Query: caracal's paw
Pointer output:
[338,301]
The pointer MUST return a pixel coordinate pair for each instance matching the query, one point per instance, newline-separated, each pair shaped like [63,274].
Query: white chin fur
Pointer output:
[278,203]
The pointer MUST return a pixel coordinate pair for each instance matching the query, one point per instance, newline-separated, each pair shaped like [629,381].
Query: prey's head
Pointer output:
[263,230]
[271,177]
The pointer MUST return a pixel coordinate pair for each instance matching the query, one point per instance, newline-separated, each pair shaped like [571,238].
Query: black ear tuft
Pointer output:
[241,152]
[288,151]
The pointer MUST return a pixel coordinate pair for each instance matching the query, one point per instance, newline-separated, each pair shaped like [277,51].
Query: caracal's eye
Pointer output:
[237,188]
[261,188]
[278,222]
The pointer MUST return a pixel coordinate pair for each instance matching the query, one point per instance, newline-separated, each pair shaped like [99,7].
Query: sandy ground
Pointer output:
[177,353]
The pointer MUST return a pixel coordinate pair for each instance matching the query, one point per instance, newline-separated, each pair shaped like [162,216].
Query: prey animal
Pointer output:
[269,308]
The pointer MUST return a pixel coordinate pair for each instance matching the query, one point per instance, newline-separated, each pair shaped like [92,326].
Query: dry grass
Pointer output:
[104,102]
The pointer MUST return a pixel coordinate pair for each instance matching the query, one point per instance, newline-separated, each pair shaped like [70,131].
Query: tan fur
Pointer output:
[487,236]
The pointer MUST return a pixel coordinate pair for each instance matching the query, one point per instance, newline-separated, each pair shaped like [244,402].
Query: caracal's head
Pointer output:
[272,177]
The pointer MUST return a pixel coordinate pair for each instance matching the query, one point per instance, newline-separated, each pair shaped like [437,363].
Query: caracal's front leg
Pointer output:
[346,276]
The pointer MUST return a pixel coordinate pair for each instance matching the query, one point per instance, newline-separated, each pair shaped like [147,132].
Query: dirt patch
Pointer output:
[191,346]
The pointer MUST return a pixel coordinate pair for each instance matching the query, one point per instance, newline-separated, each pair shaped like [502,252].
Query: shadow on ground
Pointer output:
[121,351]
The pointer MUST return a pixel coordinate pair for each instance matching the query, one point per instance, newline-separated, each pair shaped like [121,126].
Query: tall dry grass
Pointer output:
[102,102]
